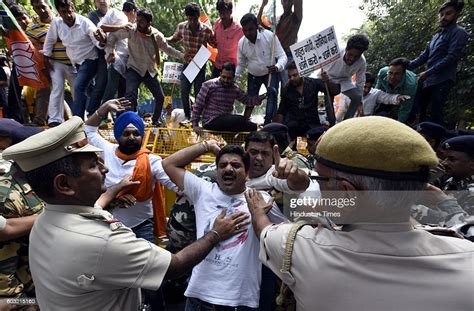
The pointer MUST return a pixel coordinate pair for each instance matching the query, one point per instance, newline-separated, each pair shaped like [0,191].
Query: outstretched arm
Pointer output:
[17,227]
[175,163]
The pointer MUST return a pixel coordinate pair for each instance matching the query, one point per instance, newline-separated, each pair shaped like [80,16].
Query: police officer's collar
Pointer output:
[71,209]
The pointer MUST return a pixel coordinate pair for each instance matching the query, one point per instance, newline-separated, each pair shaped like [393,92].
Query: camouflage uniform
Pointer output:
[181,229]
[456,213]
[437,175]
[463,191]
[17,199]
[298,158]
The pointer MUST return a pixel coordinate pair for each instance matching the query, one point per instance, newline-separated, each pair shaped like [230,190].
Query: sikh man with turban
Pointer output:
[140,208]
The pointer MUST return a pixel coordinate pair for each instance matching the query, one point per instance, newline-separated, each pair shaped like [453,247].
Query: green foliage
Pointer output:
[404,28]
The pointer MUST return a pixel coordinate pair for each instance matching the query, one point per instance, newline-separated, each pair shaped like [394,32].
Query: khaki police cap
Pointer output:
[378,147]
[50,145]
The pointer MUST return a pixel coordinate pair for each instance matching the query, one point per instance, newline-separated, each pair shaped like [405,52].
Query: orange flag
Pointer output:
[28,61]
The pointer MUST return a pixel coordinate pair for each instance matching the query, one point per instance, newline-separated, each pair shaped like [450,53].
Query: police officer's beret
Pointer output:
[51,145]
[275,127]
[7,125]
[315,133]
[378,147]
[430,129]
[460,143]
[465,132]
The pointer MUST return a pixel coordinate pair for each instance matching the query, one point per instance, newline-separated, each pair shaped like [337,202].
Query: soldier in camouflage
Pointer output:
[459,165]
[455,208]
[17,200]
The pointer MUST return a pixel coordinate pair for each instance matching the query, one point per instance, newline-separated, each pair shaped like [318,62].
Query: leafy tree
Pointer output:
[404,28]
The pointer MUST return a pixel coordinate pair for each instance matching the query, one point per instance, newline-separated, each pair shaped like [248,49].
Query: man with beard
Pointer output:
[230,275]
[375,240]
[82,258]
[299,102]
[129,159]
[144,45]
[215,102]
[441,55]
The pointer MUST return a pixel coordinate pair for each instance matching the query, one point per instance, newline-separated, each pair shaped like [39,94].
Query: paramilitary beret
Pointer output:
[465,132]
[460,143]
[378,147]
[19,134]
[315,133]
[7,125]
[275,127]
[432,130]
[450,134]
[49,146]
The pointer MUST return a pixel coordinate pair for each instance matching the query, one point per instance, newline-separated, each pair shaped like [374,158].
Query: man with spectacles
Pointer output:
[375,248]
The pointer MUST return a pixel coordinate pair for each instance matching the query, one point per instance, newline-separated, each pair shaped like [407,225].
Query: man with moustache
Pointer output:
[144,44]
[127,158]
[81,257]
[299,102]
[229,277]
[215,102]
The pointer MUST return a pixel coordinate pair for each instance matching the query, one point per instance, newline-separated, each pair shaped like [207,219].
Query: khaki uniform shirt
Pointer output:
[373,267]
[83,259]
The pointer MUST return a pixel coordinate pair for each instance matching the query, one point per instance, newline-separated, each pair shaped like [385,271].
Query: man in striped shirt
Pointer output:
[215,102]
[58,64]
[194,34]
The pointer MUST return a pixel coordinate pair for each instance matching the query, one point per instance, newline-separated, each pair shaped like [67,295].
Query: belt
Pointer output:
[213,306]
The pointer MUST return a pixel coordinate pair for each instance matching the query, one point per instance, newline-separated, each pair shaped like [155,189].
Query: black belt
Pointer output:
[213,306]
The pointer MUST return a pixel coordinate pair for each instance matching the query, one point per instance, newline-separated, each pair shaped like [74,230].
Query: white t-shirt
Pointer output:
[230,274]
[118,169]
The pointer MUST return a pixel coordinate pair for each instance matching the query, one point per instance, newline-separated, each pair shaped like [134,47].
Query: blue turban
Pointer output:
[124,120]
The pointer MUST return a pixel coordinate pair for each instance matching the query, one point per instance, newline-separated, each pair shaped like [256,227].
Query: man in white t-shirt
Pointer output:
[230,275]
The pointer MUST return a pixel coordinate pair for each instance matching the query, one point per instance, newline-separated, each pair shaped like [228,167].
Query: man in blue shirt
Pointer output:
[441,56]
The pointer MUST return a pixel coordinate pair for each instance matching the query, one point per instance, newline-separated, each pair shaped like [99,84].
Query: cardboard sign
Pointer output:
[172,72]
[316,51]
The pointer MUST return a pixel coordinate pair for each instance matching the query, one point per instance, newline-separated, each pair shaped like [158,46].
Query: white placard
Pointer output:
[197,63]
[316,51]
[201,56]
[191,71]
[172,72]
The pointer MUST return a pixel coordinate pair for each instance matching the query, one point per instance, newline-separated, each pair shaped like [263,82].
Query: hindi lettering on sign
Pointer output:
[321,40]
[172,72]
[312,61]
[303,65]
[334,49]
[330,35]
[299,53]
[309,46]
[316,51]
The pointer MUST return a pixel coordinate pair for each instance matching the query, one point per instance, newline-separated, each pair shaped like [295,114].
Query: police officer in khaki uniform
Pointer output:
[81,258]
[376,260]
